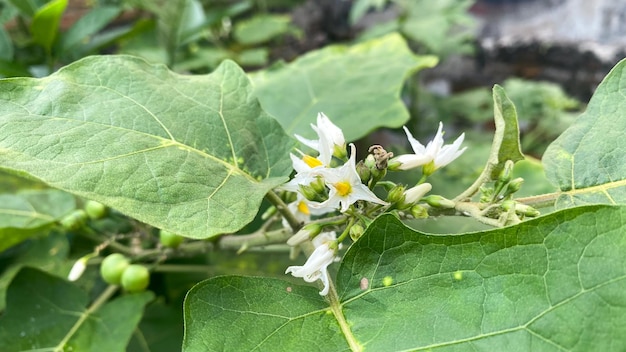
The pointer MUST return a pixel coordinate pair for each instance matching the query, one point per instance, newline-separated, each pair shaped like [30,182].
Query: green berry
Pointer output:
[169,239]
[75,220]
[95,210]
[135,278]
[112,268]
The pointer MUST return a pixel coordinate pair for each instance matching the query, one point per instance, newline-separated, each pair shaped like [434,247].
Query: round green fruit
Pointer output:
[112,268]
[95,210]
[169,239]
[135,278]
[75,220]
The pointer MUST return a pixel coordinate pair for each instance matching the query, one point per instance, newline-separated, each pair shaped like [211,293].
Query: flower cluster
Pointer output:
[322,187]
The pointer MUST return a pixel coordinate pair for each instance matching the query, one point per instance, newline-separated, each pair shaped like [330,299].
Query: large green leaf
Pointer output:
[358,87]
[28,213]
[588,161]
[191,154]
[50,314]
[550,284]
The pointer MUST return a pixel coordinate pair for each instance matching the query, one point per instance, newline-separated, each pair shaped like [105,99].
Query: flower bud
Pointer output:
[309,193]
[306,233]
[78,268]
[419,212]
[370,162]
[508,205]
[439,202]
[356,231]
[396,194]
[513,186]
[319,186]
[526,210]
[414,194]
[363,171]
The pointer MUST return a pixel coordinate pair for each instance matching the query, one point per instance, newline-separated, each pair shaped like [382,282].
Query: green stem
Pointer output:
[92,235]
[238,242]
[540,201]
[471,209]
[273,198]
[346,231]
[102,299]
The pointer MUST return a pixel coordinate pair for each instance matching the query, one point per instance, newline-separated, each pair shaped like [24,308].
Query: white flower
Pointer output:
[346,186]
[302,209]
[316,267]
[307,169]
[435,152]
[78,269]
[414,194]
[330,138]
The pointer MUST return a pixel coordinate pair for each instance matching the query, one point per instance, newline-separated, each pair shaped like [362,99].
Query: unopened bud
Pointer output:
[396,194]
[526,210]
[78,268]
[356,231]
[363,171]
[419,212]
[306,233]
[309,193]
[513,186]
[508,205]
[394,165]
[318,186]
[414,194]
[439,202]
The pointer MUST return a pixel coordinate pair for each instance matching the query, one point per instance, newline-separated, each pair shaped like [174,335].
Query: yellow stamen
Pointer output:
[311,161]
[303,208]
[343,188]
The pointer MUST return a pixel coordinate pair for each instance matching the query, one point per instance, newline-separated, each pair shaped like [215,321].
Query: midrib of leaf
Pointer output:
[28,214]
[335,307]
[102,299]
[601,188]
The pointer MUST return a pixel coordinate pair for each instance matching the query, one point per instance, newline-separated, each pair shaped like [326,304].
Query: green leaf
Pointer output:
[587,162]
[357,87]
[46,312]
[261,28]
[45,24]
[6,46]
[505,145]
[87,26]
[506,140]
[29,213]
[48,253]
[194,155]
[550,284]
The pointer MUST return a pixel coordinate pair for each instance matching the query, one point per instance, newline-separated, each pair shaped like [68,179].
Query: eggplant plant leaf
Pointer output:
[194,155]
[588,161]
[553,283]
